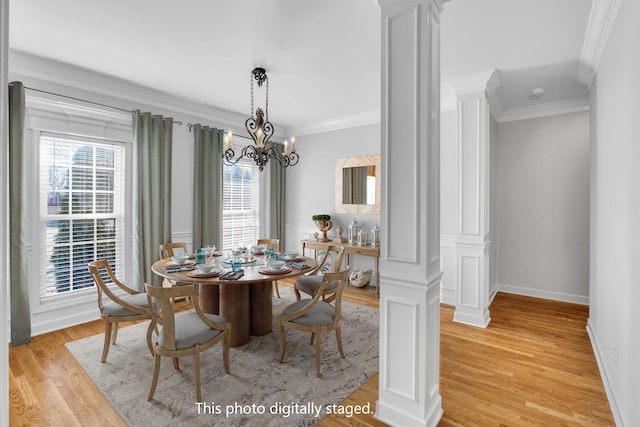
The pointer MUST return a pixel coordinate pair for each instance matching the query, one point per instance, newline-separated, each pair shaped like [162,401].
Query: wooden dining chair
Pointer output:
[273,244]
[315,315]
[115,309]
[167,250]
[311,281]
[189,333]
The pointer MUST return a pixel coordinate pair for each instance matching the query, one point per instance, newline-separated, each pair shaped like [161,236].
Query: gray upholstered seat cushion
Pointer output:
[113,309]
[191,330]
[310,284]
[320,314]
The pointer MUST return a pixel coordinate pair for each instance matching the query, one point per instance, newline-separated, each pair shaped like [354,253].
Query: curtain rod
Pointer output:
[235,135]
[177,122]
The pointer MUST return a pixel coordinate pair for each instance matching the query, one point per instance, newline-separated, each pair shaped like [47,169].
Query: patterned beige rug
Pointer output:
[258,392]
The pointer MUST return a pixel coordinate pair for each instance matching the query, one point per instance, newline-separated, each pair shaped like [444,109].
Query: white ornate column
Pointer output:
[410,215]
[474,235]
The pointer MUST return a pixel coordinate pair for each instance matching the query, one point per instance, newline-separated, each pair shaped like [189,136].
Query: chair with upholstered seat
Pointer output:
[315,316]
[273,244]
[188,333]
[167,250]
[310,282]
[115,309]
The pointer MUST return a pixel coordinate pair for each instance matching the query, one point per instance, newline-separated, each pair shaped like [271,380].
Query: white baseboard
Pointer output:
[60,320]
[447,296]
[617,416]
[540,293]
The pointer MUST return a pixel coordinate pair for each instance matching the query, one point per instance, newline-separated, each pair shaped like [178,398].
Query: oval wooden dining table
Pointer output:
[245,302]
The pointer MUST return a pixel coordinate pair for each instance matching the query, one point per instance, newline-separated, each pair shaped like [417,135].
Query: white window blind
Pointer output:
[240,204]
[81,209]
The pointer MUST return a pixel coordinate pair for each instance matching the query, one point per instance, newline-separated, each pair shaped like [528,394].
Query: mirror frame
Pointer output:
[349,162]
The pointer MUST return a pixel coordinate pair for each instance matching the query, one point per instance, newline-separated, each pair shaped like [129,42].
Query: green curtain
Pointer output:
[347,186]
[359,175]
[207,186]
[19,283]
[354,185]
[276,200]
[152,138]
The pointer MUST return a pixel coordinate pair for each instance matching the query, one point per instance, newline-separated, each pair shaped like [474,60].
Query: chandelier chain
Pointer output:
[266,102]
[251,78]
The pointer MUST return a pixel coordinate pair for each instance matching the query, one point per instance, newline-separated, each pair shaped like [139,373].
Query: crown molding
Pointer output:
[601,20]
[438,3]
[474,82]
[83,83]
[362,119]
[487,81]
[544,110]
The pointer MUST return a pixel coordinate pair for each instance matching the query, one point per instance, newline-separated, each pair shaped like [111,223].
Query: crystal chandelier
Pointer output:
[261,131]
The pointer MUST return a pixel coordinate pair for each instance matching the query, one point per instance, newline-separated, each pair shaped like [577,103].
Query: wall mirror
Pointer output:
[358,185]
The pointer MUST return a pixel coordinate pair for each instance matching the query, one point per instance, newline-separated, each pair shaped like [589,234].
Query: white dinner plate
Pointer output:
[202,273]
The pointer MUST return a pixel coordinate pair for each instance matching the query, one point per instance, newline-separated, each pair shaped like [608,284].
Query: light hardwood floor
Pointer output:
[533,366]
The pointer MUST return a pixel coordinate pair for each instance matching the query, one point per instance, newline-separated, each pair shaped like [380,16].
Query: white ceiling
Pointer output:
[322,56]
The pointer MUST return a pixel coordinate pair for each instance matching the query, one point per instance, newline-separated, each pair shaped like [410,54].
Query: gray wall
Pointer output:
[539,198]
[493,207]
[543,207]
[448,173]
[311,184]
[615,216]
[449,205]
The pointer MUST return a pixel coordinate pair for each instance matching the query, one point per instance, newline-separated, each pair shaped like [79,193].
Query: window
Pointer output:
[81,209]
[240,205]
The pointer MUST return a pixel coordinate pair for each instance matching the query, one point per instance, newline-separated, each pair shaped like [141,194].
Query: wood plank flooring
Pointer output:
[533,366]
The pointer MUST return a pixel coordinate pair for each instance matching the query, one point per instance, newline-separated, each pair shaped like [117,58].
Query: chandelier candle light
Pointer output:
[261,131]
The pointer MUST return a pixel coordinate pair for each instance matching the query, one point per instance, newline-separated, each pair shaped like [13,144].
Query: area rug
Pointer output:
[259,390]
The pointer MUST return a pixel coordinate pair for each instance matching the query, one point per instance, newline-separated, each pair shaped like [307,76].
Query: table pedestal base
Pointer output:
[261,308]
[209,298]
[234,307]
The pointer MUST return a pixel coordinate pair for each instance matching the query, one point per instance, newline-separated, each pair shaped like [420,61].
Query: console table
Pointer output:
[349,248]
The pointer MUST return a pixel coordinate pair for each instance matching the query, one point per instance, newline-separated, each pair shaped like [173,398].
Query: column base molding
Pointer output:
[472,289]
[409,393]
[394,416]
[473,317]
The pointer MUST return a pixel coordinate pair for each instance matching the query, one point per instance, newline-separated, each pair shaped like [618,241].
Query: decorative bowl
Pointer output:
[180,259]
[205,268]
[275,264]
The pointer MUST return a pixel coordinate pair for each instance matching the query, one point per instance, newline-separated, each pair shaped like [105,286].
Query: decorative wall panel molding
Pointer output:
[401,367]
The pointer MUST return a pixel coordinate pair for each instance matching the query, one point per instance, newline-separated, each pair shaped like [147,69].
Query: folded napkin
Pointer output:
[232,275]
[178,268]
[298,266]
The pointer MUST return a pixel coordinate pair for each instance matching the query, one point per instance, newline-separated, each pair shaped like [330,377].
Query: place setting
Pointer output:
[180,263]
[206,270]
[275,266]
[290,256]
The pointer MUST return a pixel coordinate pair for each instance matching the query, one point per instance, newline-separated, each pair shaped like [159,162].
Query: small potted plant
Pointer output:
[324,224]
